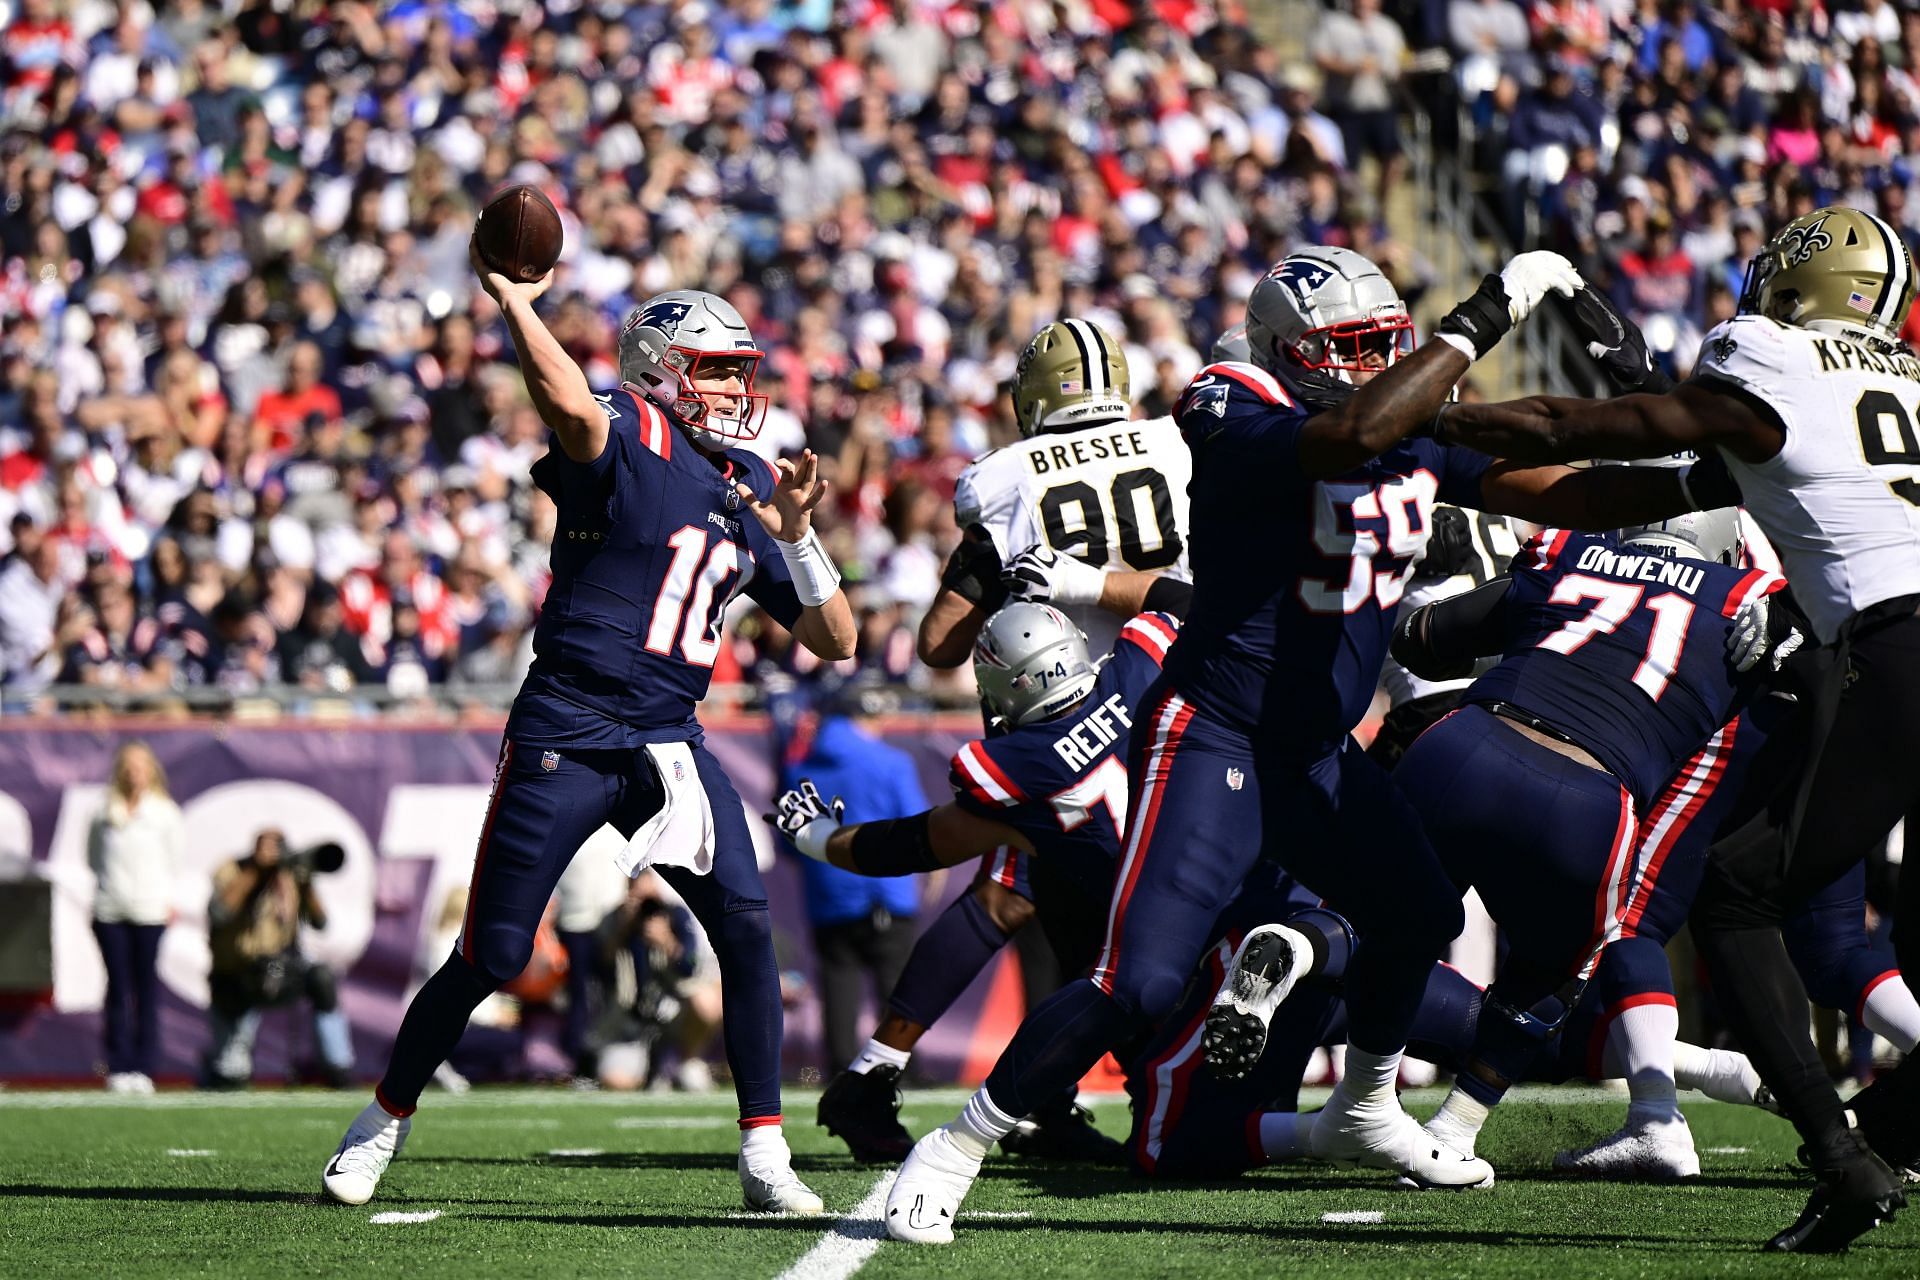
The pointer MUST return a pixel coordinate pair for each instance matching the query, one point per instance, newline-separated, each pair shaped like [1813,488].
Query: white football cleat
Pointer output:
[1269,962]
[1383,1136]
[373,1140]
[1642,1151]
[768,1184]
[928,1190]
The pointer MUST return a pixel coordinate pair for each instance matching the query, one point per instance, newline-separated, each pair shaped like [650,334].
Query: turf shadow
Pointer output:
[186,1195]
[678,1161]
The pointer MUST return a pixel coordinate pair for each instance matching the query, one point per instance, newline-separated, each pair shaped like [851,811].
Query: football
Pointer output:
[518,233]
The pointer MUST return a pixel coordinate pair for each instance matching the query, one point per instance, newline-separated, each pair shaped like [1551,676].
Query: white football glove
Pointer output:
[1748,642]
[1041,575]
[1530,277]
[807,819]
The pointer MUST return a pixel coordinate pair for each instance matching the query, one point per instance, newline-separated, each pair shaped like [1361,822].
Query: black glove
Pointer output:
[973,573]
[1318,389]
[1617,343]
[1709,485]
[1482,319]
[1450,550]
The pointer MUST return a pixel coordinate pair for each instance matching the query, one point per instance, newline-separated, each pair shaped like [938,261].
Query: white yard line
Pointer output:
[392,1219]
[675,1122]
[1365,1217]
[187,1153]
[847,1245]
[1727,1151]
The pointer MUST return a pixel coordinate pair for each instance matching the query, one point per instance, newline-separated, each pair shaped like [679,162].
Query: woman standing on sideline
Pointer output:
[133,848]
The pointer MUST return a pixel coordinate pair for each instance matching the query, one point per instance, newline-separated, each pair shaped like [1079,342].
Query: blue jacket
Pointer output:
[876,781]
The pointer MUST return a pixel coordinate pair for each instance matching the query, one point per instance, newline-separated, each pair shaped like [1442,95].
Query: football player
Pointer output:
[661,523]
[1811,398]
[1307,521]
[1086,513]
[1619,668]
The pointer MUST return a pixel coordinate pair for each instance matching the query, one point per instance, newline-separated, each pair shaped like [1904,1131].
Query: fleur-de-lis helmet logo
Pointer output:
[1800,244]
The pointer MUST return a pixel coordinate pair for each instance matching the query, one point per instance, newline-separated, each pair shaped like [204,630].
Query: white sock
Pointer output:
[1286,1135]
[1891,1011]
[1370,1077]
[1641,1040]
[980,1124]
[765,1144]
[1458,1121]
[1721,1074]
[879,1055]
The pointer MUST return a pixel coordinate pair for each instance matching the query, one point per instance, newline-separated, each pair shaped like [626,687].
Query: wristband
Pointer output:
[812,838]
[1480,320]
[815,579]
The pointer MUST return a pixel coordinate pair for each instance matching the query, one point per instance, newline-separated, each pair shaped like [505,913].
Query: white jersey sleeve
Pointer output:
[1840,502]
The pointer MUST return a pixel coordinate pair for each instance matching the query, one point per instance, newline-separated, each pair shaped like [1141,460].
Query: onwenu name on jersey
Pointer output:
[1118,444]
[1659,570]
[1837,354]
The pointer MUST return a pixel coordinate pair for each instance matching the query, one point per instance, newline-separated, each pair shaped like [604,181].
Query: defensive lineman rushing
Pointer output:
[1307,523]
[660,525]
[1087,513]
[1811,398]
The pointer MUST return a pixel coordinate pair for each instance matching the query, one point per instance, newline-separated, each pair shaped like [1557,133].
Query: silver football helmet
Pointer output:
[690,352]
[1698,535]
[1327,308]
[1031,663]
[1232,346]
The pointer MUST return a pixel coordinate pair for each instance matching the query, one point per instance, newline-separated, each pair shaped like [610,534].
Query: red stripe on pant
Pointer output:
[1170,721]
[1690,788]
[1866,993]
[1147,1150]
[1603,1027]
[480,854]
[1610,901]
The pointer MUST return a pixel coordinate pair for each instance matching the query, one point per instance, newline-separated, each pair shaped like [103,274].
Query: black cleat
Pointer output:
[1849,1202]
[863,1111]
[1066,1134]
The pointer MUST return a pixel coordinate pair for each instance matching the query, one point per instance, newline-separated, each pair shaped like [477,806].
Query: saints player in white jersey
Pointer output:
[1087,512]
[1811,398]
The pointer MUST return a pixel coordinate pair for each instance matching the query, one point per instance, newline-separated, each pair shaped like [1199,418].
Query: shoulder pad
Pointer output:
[983,781]
[1751,351]
[754,471]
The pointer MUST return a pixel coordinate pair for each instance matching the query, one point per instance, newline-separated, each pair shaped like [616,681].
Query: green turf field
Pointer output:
[553,1183]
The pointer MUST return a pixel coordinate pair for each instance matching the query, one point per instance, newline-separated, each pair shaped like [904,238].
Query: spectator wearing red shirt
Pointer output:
[34,44]
[278,415]
[1659,279]
[366,599]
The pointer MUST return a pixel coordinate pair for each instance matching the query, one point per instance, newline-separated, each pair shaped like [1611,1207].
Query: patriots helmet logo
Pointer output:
[1303,277]
[662,315]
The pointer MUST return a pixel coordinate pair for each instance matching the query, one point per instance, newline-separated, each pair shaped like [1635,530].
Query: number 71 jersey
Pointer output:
[1113,495]
[1623,651]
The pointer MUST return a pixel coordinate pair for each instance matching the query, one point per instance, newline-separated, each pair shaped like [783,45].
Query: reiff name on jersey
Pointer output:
[1093,733]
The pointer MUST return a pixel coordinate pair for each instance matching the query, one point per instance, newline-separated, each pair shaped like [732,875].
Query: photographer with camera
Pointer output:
[259,903]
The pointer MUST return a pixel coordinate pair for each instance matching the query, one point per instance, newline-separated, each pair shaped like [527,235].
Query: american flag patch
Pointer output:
[1860,302]
[1069,386]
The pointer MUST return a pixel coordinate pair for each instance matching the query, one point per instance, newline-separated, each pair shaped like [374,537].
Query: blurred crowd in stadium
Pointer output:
[258,426]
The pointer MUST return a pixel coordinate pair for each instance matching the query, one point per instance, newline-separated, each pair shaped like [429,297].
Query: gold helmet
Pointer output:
[1834,267]
[1073,374]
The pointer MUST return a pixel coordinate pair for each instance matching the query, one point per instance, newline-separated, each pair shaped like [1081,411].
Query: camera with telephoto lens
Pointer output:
[324,859]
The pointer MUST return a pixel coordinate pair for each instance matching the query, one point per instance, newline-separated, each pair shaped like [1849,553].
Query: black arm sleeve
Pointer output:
[894,847]
[1440,641]
[1169,595]
[973,574]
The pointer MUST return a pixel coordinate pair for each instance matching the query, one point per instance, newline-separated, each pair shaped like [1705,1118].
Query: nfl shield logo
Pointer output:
[679,772]
[1234,779]
[549,761]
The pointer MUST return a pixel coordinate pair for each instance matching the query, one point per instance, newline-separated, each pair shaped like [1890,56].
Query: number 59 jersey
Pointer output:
[1623,651]
[1841,500]
[1113,495]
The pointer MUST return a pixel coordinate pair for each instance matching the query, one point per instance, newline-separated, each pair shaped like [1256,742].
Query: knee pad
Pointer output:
[500,954]
[1157,995]
[744,930]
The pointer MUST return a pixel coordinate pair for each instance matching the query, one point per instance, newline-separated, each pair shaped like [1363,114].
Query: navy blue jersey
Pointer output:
[1296,579]
[1062,782]
[1622,651]
[651,544]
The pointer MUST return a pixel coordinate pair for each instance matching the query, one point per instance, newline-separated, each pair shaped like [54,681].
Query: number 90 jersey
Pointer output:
[1841,500]
[1297,579]
[1623,651]
[1113,495]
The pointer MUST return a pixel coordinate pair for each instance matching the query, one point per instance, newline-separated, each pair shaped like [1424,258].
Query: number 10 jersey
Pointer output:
[1113,495]
[1841,500]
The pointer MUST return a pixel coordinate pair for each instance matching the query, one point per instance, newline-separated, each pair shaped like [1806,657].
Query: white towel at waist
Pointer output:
[681,833]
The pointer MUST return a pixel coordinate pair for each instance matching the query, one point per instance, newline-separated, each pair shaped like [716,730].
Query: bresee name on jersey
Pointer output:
[1118,444]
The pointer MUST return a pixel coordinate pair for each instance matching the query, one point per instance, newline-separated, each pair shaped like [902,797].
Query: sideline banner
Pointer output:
[406,803]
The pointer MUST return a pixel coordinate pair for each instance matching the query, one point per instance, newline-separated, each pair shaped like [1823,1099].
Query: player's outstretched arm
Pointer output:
[560,391]
[1403,399]
[826,625]
[970,591]
[1440,641]
[1554,429]
[1602,498]
[940,837]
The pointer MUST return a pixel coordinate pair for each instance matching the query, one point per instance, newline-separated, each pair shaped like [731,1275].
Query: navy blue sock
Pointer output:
[1505,1044]
[953,951]
[751,1009]
[1061,1040]
[1444,1027]
[1331,938]
[435,1021]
